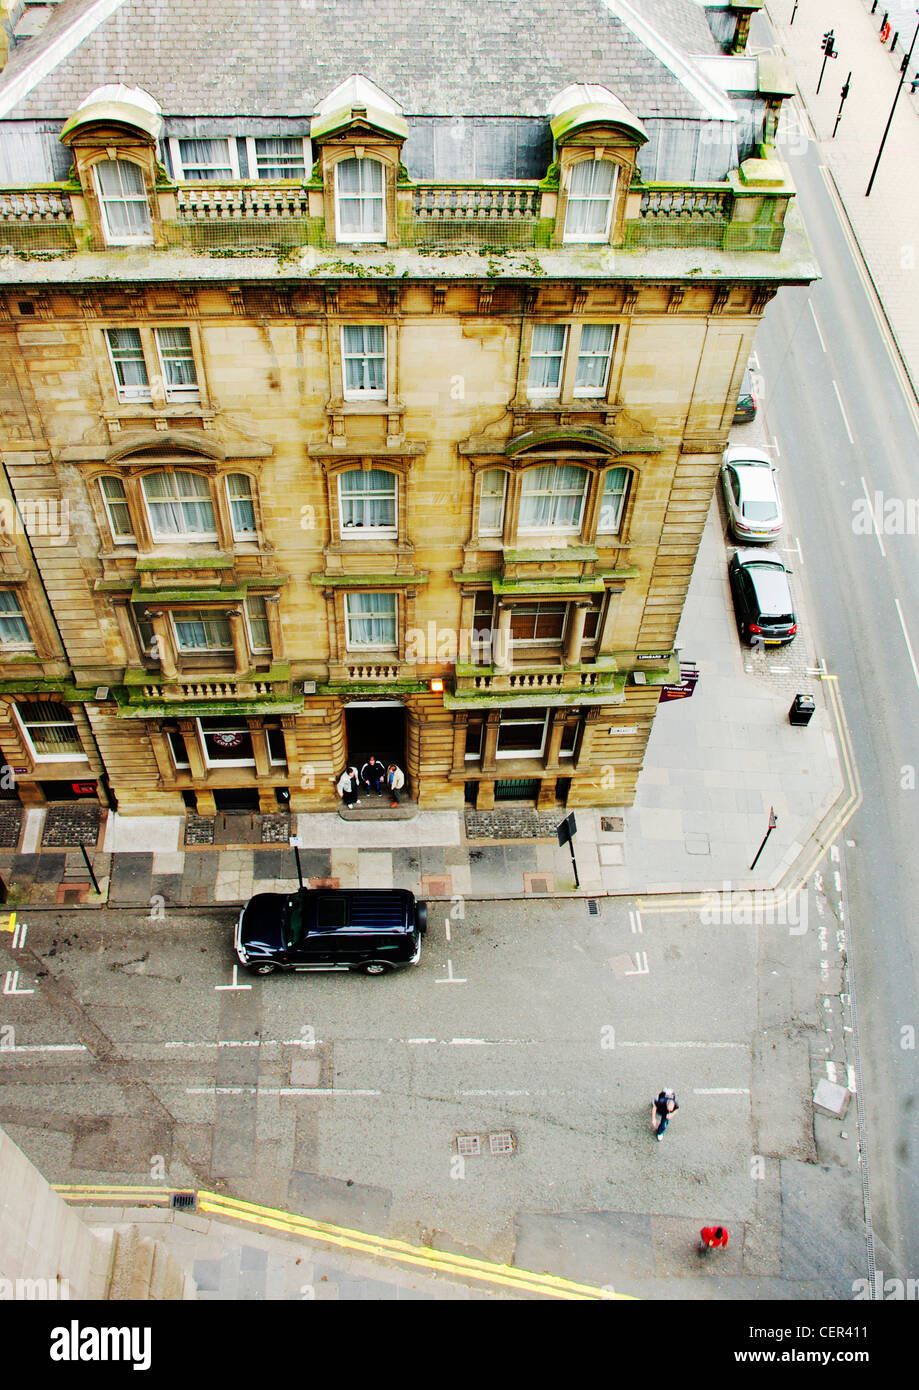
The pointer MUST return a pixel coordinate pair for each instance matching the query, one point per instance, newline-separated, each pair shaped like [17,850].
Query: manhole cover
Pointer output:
[468,1145]
[615,824]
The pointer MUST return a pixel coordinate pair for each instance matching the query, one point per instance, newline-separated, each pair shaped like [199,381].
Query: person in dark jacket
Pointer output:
[373,775]
[663,1108]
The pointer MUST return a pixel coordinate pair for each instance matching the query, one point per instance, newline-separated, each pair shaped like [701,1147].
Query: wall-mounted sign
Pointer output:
[652,656]
[624,729]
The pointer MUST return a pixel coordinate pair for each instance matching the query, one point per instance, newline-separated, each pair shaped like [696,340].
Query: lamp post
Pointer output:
[903,71]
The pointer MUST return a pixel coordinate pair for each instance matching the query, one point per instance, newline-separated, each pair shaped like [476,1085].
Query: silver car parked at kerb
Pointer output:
[751,494]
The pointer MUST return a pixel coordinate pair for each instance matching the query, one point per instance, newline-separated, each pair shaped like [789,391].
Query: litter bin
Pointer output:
[802,709]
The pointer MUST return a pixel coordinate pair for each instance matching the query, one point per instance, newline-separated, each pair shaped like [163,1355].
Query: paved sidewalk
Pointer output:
[886,224]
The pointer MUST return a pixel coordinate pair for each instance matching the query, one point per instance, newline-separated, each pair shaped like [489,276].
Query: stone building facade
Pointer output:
[306,456]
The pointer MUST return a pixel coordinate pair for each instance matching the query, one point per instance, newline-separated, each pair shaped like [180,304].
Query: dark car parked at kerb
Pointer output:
[762,598]
[366,929]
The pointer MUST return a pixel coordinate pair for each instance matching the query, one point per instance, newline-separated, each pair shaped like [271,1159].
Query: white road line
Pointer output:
[743,1047]
[418,1041]
[874,522]
[274,1091]
[775,445]
[45,1047]
[909,645]
[842,412]
[816,324]
[754,361]
[722,1091]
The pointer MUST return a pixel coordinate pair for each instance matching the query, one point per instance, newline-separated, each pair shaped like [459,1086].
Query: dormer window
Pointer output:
[590,200]
[123,202]
[360,200]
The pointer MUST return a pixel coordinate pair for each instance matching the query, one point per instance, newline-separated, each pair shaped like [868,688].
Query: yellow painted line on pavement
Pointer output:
[779,897]
[437,1261]
[11,923]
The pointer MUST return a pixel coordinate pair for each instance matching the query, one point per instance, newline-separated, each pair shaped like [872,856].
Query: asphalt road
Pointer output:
[138,1058]
[847,447]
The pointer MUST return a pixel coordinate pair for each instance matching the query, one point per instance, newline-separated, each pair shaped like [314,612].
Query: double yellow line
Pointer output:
[381,1247]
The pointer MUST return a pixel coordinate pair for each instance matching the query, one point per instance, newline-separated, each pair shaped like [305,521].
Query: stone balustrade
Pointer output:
[476,202]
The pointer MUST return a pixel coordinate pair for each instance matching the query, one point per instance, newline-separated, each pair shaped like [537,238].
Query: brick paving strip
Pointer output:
[519,823]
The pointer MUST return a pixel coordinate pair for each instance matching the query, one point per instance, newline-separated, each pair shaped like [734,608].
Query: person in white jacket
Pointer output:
[395,780]
[348,786]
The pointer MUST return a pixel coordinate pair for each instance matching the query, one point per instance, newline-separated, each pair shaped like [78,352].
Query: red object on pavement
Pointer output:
[714,1237]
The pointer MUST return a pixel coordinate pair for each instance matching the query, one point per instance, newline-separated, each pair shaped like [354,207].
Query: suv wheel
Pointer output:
[265,967]
[376,967]
[421,918]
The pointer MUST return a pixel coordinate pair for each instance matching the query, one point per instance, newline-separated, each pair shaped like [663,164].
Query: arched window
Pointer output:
[179,504]
[591,186]
[360,200]
[552,498]
[242,507]
[492,494]
[612,500]
[115,501]
[123,202]
[367,501]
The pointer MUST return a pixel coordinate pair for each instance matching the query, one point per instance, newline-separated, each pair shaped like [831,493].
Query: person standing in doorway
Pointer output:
[348,787]
[373,775]
[663,1108]
[395,780]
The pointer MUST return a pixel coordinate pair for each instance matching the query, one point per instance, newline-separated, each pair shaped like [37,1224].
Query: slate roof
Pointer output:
[683,22]
[435,57]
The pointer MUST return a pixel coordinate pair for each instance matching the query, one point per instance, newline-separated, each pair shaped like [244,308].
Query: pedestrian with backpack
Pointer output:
[663,1108]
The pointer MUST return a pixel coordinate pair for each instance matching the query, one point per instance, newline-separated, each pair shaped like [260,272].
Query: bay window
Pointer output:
[522,733]
[552,498]
[179,504]
[612,500]
[202,630]
[492,494]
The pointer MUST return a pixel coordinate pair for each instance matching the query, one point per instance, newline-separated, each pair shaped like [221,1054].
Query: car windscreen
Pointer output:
[760,511]
[773,595]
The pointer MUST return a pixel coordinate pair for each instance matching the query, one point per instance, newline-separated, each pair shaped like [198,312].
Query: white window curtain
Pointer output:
[128,363]
[205,159]
[279,157]
[178,361]
[371,620]
[13,629]
[242,506]
[116,508]
[257,618]
[364,352]
[492,492]
[593,359]
[552,497]
[359,201]
[368,499]
[179,504]
[202,630]
[125,210]
[546,355]
[590,196]
[615,487]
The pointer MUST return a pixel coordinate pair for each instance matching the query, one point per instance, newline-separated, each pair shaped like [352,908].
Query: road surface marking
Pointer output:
[874,522]
[721,1091]
[743,1047]
[775,446]
[46,1047]
[450,978]
[437,1261]
[274,1091]
[635,923]
[909,645]
[842,411]
[641,963]
[816,324]
[234,985]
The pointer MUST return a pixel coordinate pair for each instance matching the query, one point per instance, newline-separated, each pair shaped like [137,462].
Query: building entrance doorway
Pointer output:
[377,727]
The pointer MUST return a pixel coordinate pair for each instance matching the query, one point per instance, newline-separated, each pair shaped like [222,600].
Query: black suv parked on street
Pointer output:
[366,929]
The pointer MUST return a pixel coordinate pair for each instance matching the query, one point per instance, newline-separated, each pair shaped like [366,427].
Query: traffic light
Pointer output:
[827,45]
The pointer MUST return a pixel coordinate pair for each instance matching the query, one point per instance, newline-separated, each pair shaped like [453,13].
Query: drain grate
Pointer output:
[181,1201]
[503,1143]
[593,907]
[468,1145]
